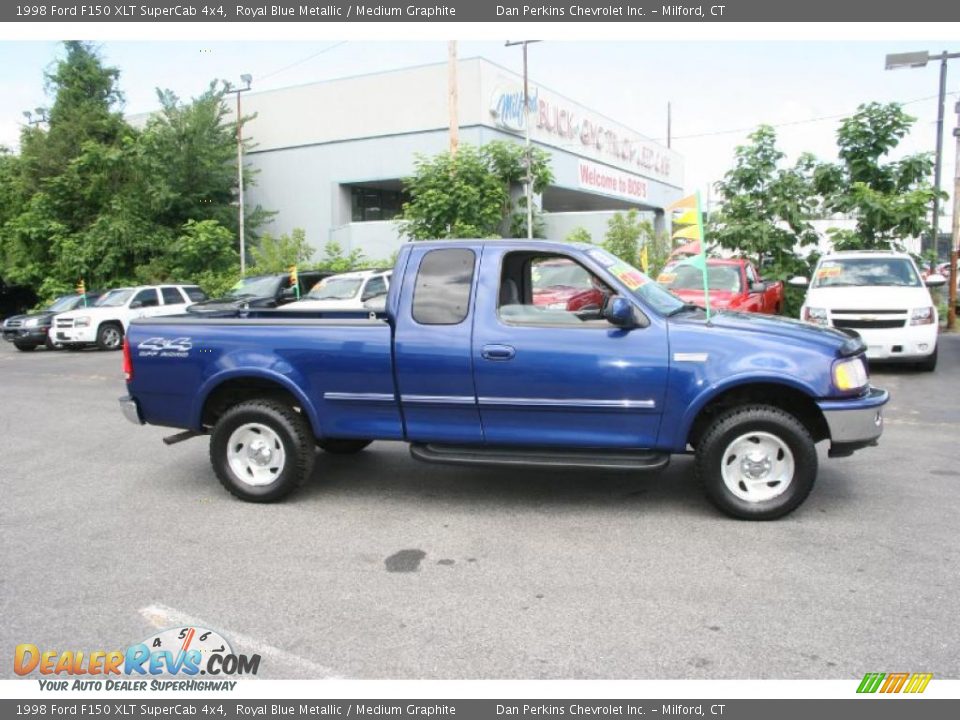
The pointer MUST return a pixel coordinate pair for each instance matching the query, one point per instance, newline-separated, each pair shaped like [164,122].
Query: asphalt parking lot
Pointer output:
[386,568]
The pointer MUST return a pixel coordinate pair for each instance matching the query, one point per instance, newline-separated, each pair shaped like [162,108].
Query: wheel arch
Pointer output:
[228,389]
[789,397]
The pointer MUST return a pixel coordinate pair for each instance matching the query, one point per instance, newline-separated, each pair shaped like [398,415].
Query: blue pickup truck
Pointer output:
[467,368]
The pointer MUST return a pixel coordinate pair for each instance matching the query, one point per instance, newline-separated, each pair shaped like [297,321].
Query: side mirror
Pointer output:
[758,287]
[798,281]
[288,293]
[936,280]
[136,304]
[619,312]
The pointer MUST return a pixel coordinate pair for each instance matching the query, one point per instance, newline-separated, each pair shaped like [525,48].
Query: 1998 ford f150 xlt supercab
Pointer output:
[465,367]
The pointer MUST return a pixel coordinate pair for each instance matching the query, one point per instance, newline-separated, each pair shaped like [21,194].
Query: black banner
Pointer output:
[482,11]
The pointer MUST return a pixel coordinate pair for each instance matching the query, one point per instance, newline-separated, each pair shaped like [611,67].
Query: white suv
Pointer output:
[881,296]
[105,323]
[347,291]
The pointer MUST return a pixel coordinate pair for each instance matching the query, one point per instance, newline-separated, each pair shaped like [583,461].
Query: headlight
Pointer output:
[850,374]
[923,316]
[557,306]
[83,321]
[32,322]
[817,316]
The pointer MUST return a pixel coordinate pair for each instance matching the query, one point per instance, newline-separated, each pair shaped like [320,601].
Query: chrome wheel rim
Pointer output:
[111,337]
[255,454]
[757,467]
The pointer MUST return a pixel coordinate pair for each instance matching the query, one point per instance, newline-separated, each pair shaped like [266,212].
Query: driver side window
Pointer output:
[550,291]
[146,298]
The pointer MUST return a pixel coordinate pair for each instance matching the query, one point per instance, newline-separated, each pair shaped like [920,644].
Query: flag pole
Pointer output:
[703,255]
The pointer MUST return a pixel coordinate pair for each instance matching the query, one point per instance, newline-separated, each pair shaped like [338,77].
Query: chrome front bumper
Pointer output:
[855,423]
[131,411]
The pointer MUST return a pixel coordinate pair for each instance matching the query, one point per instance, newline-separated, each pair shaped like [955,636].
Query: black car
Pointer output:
[259,291]
[27,332]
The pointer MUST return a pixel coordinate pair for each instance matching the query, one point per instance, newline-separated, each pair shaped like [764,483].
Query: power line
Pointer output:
[795,122]
[300,62]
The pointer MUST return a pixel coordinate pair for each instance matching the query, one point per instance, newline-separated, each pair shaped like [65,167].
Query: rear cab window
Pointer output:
[441,295]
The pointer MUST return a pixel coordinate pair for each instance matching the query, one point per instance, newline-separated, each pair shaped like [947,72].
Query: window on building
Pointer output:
[376,204]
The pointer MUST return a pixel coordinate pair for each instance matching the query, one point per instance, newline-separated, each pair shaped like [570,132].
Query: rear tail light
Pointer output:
[127,360]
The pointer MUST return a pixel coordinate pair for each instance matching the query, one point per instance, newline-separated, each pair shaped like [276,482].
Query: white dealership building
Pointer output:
[331,156]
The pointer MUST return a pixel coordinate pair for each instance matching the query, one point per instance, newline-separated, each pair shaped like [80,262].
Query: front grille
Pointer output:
[868,324]
[867,311]
[64,323]
[10,324]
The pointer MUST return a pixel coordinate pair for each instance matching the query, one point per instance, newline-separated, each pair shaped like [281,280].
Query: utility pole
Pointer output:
[452,99]
[526,131]
[240,211]
[955,240]
[938,156]
[669,124]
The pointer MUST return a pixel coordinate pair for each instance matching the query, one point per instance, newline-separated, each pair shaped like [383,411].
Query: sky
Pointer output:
[719,90]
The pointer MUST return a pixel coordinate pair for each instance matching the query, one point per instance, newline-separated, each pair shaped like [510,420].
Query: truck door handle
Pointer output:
[498,352]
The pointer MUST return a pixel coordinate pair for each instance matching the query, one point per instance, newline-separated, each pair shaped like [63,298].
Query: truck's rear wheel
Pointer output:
[342,446]
[262,450]
[756,462]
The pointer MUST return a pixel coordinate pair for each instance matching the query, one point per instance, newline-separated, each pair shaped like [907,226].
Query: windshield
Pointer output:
[723,278]
[262,286]
[874,271]
[115,298]
[639,284]
[335,288]
[67,302]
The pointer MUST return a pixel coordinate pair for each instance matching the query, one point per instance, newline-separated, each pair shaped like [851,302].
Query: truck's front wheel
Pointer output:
[756,462]
[262,450]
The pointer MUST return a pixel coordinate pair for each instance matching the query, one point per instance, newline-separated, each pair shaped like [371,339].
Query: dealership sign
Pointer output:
[609,181]
[558,122]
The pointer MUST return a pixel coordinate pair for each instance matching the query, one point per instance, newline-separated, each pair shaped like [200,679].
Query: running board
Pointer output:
[181,436]
[632,460]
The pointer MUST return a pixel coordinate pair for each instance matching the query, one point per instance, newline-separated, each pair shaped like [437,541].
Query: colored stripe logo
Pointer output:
[894,682]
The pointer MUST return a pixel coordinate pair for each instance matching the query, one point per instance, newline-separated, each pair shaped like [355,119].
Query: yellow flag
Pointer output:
[81,287]
[691,232]
[644,259]
[689,217]
[687,203]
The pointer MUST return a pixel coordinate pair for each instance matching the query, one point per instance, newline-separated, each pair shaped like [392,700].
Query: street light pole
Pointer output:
[240,209]
[526,132]
[955,239]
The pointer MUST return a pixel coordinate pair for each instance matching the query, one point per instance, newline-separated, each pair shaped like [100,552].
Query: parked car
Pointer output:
[346,291]
[734,284]
[15,299]
[881,296]
[105,324]
[259,291]
[565,285]
[470,371]
[30,331]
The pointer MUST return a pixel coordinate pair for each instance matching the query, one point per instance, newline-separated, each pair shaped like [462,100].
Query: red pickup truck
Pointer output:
[734,285]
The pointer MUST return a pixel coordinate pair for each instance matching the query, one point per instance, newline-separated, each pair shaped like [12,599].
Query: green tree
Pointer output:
[766,208]
[888,198]
[276,254]
[470,194]
[335,260]
[626,234]
[579,235]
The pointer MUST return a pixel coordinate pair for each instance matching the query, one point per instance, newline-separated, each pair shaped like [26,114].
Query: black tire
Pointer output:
[290,429]
[717,449]
[342,446]
[929,363]
[110,336]
[24,347]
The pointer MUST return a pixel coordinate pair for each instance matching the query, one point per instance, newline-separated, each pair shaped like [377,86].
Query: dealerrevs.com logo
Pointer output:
[183,658]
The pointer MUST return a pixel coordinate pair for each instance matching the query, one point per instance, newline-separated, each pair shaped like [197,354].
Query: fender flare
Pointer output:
[729,383]
[212,383]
